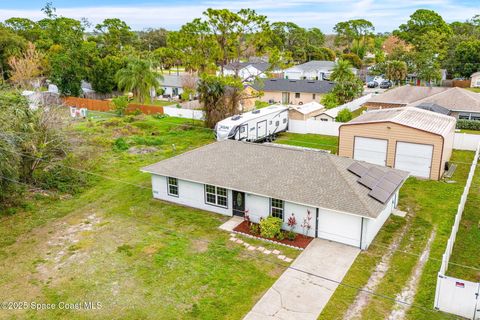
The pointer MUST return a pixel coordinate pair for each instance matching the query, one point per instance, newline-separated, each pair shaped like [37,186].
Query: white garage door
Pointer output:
[415,158]
[371,150]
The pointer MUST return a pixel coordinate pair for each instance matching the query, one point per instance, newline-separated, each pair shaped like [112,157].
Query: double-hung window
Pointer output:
[172,186]
[216,196]
[276,208]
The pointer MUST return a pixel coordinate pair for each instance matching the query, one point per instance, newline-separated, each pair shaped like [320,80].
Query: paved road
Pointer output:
[297,295]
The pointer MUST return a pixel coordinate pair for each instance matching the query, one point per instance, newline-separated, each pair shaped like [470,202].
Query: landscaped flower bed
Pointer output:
[300,241]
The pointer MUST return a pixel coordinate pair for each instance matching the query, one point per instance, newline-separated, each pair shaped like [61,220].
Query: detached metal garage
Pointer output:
[407,138]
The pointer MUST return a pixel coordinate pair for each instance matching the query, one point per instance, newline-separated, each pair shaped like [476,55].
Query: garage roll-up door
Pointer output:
[415,158]
[370,150]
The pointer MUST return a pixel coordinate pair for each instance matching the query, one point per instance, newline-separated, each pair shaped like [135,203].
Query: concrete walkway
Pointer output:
[297,295]
[231,223]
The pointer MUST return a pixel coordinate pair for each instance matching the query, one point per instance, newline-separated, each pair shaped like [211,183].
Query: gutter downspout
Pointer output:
[316,223]
[361,234]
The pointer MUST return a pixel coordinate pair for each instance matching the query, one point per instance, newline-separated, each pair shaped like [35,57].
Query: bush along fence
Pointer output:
[106,105]
[468,124]
[453,295]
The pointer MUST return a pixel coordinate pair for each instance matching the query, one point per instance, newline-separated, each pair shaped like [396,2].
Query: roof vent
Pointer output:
[234,118]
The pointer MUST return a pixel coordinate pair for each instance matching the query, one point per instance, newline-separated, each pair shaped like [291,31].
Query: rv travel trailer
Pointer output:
[255,125]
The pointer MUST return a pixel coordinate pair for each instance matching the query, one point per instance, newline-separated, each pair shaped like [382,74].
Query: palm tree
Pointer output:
[342,71]
[137,77]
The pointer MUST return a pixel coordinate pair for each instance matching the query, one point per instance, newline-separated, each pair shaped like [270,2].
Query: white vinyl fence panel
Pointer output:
[355,104]
[448,296]
[314,126]
[184,113]
[465,141]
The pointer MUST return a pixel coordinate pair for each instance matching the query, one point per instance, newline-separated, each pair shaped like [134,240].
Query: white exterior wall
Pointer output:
[371,227]
[332,225]
[259,207]
[339,227]
[189,193]
[246,73]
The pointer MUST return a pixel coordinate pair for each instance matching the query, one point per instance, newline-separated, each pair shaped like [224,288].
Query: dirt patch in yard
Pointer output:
[199,245]
[364,296]
[408,292]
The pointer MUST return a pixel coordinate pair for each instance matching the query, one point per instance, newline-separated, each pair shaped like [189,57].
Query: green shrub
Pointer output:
[120,145]
[60,177]
[270,227]
[330,100]
[120,105]
[468,124]
[255,229]
[291,235]
[344,115]
[280,236]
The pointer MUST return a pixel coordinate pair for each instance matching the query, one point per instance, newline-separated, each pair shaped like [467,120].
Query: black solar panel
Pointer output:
[357,169]
[371,177]
[380,195]
[393,177]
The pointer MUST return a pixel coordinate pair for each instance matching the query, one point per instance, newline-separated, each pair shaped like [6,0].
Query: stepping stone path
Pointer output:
[265,251]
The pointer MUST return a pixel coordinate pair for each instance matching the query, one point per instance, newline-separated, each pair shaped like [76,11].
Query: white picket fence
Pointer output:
[184,113]
[455,295]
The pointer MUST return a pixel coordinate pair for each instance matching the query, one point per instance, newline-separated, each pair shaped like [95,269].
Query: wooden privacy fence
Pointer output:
[106,105]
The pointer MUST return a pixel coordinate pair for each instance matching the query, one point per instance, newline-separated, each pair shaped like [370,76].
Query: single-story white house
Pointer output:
[173,84]
[348,200]
[248,71]
[475,80]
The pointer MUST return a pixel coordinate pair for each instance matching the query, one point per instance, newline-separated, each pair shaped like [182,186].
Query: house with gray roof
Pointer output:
[288,91]
[348,201]
[311,70]
[173,84]
[248,71]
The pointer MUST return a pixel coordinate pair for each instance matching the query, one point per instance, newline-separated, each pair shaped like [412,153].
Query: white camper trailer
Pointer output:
[255,125]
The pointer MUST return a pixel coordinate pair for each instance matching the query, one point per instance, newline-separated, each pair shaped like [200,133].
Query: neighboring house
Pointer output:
[475,80]
[328,115]
[410,139]
[286,91]
[247,71]
[173,84]
[279,181]
[401,96]
[433,108]
[461,103]
[312,70]
[305,111]
[41,98]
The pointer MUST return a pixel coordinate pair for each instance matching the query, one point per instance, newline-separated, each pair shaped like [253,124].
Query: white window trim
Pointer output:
[278,208]
[216,195]
[170,184]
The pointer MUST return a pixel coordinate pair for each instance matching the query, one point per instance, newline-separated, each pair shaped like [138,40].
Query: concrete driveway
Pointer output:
[300,295]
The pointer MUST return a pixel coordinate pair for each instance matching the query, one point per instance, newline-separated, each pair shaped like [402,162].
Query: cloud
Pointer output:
[386,15]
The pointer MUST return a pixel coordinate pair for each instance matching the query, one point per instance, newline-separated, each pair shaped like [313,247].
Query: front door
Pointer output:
[238,203]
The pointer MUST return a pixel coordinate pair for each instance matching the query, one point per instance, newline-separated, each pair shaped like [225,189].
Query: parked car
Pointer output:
[386,84]
[372,84]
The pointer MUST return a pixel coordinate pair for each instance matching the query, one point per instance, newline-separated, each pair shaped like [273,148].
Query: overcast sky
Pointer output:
[385,14]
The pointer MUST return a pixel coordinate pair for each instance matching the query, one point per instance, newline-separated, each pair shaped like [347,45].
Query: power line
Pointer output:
[174,233]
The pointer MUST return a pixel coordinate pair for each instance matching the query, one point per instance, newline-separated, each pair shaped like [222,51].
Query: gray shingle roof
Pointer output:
[434,108]
[411,117]
[262,66]
[314,65]
[288,85]
[306,177]
[406,94]
[455,99]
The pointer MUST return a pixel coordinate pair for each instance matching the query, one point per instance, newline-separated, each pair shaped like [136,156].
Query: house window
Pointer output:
[464,116]
[276,208]
[172,184]
[216,196]
[314,96]
[297,95]
[284,120]
[322,119]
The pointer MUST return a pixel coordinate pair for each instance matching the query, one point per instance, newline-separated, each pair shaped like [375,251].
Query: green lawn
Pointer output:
[140,258]
[465,250]
[432,206]
[309,140]
[470,131]
[358,112]
[161,103]
[474,89]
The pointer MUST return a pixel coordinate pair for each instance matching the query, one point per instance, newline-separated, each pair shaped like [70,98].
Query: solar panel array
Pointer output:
[382,184]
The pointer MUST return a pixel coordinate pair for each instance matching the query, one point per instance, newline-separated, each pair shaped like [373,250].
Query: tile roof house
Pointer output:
[281,181]
[406,138]
[296,92]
